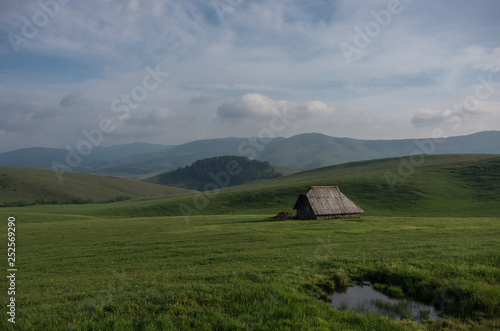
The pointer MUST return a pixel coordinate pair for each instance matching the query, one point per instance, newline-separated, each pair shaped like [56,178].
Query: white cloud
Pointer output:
[259,107]
[254,106]
[429,117]
[315,108]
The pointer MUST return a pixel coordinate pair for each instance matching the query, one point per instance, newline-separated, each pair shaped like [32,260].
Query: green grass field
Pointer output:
[142,265]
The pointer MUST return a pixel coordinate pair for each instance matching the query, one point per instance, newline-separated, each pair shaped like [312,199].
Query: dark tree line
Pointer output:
[241,170]
[69,201]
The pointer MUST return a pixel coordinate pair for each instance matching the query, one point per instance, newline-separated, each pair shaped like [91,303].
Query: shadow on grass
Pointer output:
[265,220]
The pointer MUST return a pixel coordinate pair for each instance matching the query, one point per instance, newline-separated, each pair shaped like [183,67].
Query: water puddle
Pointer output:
[364,299]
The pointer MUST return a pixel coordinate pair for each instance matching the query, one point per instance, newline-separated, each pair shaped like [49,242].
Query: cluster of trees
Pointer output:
[204,171]
[45,202]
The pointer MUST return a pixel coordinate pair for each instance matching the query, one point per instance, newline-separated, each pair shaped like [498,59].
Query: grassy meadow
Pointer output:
[143,265]
[27,186]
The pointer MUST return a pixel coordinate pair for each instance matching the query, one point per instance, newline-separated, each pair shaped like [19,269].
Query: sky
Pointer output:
[169,72]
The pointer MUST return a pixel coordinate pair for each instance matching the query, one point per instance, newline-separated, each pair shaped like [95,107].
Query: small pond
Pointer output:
[364,299]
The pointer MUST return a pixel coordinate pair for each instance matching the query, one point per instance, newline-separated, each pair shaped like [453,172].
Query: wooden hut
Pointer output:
[325,202]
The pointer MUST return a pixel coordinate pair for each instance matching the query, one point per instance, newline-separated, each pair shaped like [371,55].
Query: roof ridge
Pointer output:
[330,200]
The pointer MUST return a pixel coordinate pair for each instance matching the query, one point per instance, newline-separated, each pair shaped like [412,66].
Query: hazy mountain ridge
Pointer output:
[315,150]
[42,157]
[304,151]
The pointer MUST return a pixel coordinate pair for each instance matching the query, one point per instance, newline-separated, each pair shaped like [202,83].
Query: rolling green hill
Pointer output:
[443,185]
[20,186]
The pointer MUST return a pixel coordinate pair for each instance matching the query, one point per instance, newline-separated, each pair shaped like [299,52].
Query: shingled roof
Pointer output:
[328,200]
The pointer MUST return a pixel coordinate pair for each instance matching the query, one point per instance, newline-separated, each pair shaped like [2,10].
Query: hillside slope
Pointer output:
[19,186]
[443,185]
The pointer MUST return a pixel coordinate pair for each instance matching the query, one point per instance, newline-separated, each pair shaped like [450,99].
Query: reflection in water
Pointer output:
[364,299]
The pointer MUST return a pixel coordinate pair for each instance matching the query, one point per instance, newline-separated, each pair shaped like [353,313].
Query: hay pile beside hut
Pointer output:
[284,215]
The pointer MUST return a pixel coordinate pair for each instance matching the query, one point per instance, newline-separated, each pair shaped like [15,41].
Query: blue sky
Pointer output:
[363,69]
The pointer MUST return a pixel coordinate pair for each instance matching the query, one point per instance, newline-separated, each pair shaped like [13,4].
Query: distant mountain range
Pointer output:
[100,157]
[304,151]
